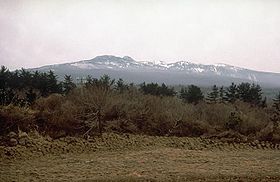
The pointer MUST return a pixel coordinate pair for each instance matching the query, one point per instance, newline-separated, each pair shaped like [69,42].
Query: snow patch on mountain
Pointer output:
[84,65]
[129,64]
[200,70]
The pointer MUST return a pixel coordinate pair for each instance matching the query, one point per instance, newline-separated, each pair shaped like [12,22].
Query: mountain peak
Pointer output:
[128,58]
[159,71]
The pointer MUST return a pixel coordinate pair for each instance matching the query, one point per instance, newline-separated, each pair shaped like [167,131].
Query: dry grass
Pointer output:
[141,158]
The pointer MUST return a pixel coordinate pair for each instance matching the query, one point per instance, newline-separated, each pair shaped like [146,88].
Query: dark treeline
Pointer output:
[22,87]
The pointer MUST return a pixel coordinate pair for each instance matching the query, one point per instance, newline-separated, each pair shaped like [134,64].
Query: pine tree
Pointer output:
[256,95]
[30,96]
[165,91]
[53,86]
[121,86]
[231,93]
[25,79]
[222,95]
[275,118]
[213,95]
[4,74]
[106,82]
[244,92]
[88,82]
[68,84]
[192,94]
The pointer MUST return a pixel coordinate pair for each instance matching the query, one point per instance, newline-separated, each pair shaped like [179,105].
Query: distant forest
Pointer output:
[22,87]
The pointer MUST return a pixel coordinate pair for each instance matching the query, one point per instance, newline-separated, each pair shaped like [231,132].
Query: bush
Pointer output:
[95,109]
[234,122]
[14,118]
[57,114]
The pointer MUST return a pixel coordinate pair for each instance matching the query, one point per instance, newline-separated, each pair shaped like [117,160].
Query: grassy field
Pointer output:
[139,158]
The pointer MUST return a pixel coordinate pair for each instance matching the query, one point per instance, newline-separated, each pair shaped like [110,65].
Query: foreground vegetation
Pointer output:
[149,132]
[37,101]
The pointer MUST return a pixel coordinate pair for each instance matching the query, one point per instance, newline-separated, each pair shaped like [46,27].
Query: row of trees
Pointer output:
[246,92]
[24,87]
[155,89]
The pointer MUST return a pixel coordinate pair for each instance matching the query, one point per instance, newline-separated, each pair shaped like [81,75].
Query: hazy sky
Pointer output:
[244,33]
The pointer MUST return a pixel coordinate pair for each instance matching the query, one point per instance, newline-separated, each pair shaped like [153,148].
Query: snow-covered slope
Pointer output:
[181,72]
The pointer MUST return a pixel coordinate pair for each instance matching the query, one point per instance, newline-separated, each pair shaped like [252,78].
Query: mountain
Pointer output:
[181,72]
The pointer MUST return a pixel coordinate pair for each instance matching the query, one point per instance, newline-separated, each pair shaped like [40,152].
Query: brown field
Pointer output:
[139,158]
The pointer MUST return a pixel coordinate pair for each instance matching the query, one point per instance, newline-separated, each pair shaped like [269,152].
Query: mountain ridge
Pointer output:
[180,72]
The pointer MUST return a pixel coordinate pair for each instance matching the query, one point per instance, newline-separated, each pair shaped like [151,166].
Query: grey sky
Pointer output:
[244,33]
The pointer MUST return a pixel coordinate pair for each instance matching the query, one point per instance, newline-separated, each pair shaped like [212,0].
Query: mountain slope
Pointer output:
[181,72]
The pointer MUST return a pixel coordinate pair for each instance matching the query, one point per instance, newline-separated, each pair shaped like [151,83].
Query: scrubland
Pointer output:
[101,134]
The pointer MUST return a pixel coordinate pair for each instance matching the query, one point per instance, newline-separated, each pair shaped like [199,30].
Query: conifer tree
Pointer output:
[244,92]
[30,96]
[275,118]
[192,94]
[165,91]
[231,93]
[68,84]
[106,82]
[52,85]
[256,95]
[121,86]
[213,95]
[222,95]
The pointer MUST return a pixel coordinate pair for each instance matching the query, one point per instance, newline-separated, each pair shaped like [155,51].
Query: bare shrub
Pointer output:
[94,109]
[214,114]
[56,114]
[14,118]
[95,105]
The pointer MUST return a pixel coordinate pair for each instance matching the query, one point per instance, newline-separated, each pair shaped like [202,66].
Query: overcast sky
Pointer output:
[243,33]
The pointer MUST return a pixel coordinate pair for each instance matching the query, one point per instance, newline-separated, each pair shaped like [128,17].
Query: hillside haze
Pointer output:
[181,72]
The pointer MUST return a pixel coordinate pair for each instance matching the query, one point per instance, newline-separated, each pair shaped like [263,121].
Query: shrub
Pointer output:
[234,122]
[56,114]
[14,118]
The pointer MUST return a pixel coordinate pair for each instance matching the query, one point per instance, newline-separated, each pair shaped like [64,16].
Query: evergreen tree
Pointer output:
[155,89]
[275,118]
[222,95]
[89,81]
[4,77]
[106,82]
[256,95]
[7,94]
[165,91]
[30,96]
[121,86]
[231,93]
[52,84]
[213,95]
[25,79]
[68,84]
[150,88]
[244,92]
[192,94]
